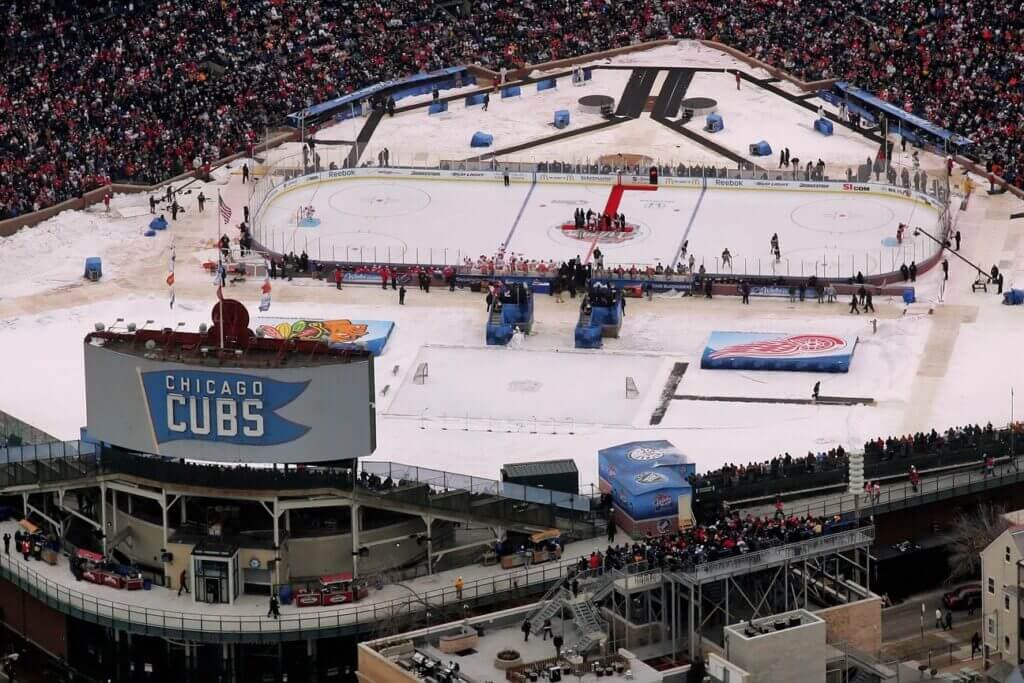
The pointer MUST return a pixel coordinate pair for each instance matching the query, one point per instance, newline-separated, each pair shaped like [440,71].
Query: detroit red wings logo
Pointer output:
[796,345]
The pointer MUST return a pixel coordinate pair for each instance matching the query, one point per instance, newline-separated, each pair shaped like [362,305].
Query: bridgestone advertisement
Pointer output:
[231,415]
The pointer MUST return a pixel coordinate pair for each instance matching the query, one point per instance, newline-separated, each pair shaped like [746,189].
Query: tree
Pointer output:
[972,532]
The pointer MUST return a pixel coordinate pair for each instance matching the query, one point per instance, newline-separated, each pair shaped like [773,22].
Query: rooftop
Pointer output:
[757,628]
[423,654]
[204,349]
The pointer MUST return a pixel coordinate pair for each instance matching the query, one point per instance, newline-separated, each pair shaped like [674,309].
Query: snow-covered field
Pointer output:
[937,364]
[752,114]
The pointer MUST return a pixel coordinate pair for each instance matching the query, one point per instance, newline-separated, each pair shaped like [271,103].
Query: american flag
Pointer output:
[225,210]
[170,276]
[265,289]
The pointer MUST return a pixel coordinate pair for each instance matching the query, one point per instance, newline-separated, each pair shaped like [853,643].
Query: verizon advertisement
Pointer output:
[245,415]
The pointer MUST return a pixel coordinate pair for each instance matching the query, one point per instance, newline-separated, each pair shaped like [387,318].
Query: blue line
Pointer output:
[519,215]
[686,233]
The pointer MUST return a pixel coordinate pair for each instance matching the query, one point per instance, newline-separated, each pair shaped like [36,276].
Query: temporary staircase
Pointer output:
[586,615]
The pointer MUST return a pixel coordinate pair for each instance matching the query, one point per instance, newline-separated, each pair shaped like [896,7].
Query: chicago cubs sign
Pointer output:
[290,414]
[214,406]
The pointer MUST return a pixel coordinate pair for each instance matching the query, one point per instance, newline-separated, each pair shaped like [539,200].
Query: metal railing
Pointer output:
[442,481]
[828,543]
[139,618]
[904,494]
[796,478]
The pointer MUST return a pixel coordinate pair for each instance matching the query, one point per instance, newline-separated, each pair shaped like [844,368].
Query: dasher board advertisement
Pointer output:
[223,414]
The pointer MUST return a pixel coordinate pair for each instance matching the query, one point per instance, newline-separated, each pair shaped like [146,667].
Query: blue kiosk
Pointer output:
[511,310]
[601,313]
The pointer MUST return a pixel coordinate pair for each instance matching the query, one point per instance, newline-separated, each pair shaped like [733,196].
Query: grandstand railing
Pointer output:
[774,556]
[441,481]
[426,490]
[902,494]
[275,232]
[194,624]
[446,603]
[796,478]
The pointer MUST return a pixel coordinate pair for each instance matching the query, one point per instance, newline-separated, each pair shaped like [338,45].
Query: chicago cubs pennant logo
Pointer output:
[221,406]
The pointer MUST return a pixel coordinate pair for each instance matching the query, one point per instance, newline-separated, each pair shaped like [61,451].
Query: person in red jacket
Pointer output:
[337,278]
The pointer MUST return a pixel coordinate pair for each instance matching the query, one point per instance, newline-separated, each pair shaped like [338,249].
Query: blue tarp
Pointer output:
[646,478]
[158,223]
[1014,297]
[481,139]
[588,337]
[778,351]
[891,110]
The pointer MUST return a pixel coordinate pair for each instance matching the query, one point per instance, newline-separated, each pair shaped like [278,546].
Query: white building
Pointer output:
[1001,592]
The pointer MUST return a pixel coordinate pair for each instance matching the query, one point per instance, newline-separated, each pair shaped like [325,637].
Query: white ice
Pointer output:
[373,221]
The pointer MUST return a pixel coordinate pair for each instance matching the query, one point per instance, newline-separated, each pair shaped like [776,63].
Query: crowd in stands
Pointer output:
[729,536]
[880,450]
[143,90]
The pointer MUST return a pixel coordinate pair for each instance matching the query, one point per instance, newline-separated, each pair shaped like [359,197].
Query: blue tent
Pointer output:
[645,478]
[760,149]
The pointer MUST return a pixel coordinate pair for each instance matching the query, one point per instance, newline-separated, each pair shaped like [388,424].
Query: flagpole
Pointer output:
[220,269]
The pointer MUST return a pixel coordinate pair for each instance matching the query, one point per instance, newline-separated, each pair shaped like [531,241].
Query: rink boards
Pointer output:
[391,216]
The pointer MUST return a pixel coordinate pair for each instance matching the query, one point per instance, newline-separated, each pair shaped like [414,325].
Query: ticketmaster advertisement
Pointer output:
[222,414]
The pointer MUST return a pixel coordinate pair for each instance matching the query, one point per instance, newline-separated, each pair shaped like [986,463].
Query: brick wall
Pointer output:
[859,624]
[43,626]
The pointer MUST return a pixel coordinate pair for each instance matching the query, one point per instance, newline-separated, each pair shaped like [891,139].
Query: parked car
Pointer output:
[963,597]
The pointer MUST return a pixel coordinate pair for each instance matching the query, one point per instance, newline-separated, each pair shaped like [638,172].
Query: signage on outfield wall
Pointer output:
[230,414]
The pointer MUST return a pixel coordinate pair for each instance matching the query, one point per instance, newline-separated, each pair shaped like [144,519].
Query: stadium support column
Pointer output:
[311,660]
[355,524]
[103,519]
[429,522]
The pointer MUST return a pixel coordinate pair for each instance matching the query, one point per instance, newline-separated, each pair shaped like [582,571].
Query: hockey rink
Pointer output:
[374,220]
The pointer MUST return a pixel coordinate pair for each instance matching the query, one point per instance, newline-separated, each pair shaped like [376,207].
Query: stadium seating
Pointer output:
[191,97]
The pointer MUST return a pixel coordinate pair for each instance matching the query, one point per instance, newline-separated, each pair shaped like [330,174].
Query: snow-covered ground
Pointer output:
[752,114]
[924,369]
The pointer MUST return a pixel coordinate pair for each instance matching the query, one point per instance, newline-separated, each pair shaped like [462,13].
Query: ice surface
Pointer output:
[373,221]
[533,387]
